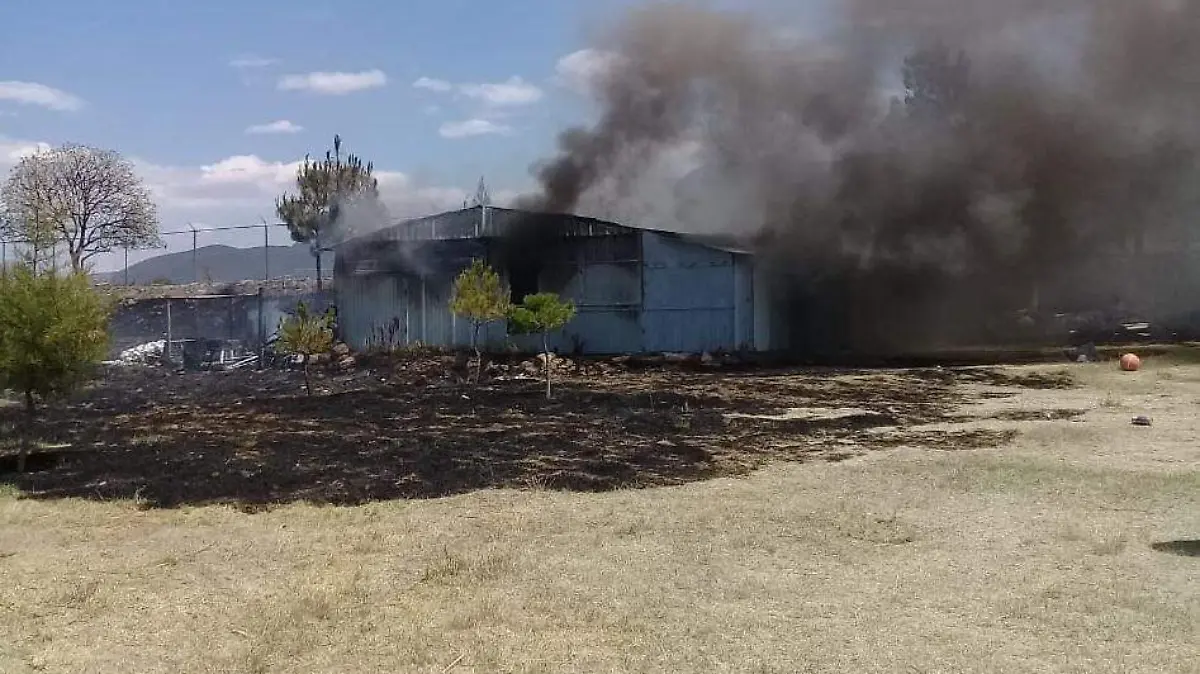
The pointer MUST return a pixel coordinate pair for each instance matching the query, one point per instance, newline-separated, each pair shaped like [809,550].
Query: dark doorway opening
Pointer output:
[523,280]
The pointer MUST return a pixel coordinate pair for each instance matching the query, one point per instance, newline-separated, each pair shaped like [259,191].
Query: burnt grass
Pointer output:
[413,428]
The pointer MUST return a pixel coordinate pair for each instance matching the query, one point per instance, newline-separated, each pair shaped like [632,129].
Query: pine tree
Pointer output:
[542,314]
[53,333]
[324,191]
[481,298]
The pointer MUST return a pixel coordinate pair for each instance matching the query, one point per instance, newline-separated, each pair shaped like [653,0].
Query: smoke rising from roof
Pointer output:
[1023,139]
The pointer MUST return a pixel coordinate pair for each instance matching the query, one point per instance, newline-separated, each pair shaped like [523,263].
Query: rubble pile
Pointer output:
[150,353]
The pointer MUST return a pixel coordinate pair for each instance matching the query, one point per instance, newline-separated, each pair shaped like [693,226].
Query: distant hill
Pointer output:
[223,264]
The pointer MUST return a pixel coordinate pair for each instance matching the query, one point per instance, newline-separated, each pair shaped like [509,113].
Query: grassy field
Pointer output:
[1032,555]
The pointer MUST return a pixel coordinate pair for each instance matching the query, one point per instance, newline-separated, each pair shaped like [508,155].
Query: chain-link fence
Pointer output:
[206,330]
[227,254]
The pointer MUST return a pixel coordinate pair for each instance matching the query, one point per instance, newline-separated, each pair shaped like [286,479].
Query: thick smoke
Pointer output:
[918,171]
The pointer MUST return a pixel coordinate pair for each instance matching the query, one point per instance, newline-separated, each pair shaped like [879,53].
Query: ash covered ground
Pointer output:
[414,427]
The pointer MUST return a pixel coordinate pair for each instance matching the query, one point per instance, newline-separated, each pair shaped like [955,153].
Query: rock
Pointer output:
[1142,421]
[347,362]
[341,350]
[557,362]
[1131,363]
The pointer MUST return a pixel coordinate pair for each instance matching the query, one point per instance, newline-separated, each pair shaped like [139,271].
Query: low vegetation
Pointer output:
[480,297]
[542,314]
[53,333]
[306,334]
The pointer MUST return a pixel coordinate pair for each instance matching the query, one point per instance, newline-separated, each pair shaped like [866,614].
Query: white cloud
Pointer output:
[585,70]
[32,93]
[252,61]
[334,83]
[514,91]
[241,190]
[511,92]
[472,127]
[280,126]
[12,150]
[440,86]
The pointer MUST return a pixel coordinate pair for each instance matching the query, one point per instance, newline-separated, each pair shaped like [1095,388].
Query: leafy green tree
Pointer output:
[326,192]
[306,334]
[542,313]
[53,333]
[481,298]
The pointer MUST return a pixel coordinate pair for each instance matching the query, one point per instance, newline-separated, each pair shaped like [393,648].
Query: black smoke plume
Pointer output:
[922,169]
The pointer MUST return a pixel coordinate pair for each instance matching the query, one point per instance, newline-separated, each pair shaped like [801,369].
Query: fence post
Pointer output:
[195,267]
[167,347]
[262,331]
[266,252]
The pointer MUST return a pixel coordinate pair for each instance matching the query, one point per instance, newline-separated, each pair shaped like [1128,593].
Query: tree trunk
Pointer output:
[317,255]
[307,377]
[27,436]
[546,355]
[478,353]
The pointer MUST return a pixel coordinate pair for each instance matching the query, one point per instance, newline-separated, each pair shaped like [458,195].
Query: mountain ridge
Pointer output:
[219,263]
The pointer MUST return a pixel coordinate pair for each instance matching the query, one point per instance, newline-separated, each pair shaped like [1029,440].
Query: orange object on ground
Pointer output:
[1131,363]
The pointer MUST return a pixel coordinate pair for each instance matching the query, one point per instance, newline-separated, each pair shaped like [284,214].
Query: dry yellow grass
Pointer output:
[1031,558]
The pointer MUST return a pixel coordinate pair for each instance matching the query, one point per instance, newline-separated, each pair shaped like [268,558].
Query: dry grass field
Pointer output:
[993,520]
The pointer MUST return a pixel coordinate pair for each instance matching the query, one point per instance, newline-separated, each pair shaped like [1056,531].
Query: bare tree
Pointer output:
[26,212]
[89,200]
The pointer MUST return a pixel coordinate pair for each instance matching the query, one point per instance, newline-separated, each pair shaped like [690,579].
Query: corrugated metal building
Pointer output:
[636,290]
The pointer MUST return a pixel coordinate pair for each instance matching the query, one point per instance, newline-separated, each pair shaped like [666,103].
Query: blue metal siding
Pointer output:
[689,293]
[743,297]
[664,294]
[371,311]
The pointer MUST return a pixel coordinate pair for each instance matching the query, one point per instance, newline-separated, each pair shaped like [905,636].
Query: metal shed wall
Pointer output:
[635,291]
[697,298]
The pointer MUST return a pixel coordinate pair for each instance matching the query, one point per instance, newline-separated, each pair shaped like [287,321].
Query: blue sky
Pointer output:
[216,100]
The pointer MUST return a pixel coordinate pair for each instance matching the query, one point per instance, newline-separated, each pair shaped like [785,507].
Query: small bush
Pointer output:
[306,334]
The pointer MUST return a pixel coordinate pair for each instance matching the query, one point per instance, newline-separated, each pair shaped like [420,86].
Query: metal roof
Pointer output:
[484,222]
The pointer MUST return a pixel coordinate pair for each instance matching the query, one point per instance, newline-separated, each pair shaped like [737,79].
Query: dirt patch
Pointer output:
[411,428]
[1040,415]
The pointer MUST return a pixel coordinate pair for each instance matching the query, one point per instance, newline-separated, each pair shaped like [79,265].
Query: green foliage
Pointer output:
[542,313]
[53,332]
[306,334]
[323,189]
[480,297]
[325,192]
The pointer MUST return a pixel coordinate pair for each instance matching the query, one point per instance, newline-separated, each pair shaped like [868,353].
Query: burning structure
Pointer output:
[918,174]
[914,170]
[637,290]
